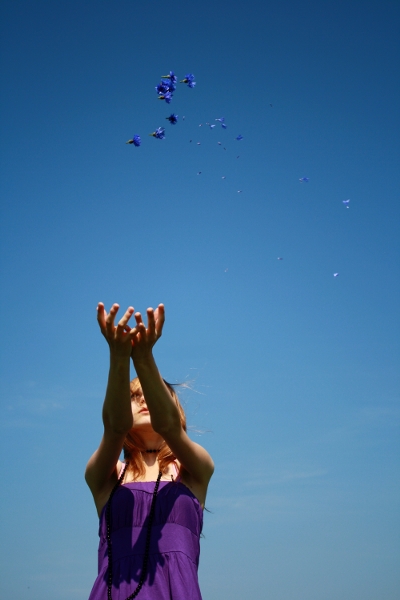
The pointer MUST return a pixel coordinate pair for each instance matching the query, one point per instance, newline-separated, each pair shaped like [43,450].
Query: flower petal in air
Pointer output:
[136,141]
[159,133]
[171,76]
[173,119]
[167,96]
[189,80]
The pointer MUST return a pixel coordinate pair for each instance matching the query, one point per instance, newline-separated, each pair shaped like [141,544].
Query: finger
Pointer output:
[138,318]
[101,315]
[151,323]
[123,322]
[110,319]
[141,332]
[160,319]
[101,318]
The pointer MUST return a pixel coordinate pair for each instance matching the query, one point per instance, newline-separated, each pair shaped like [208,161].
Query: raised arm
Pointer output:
[117,413]
[164,413]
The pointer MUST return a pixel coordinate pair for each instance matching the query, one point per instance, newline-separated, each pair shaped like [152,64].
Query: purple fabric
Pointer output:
[174,548]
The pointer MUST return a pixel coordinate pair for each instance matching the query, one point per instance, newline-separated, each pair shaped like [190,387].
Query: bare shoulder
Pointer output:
[102,494]
[196,468]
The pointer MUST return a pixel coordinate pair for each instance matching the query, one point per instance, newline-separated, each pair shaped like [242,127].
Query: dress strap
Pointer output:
[123,466]
[177,471]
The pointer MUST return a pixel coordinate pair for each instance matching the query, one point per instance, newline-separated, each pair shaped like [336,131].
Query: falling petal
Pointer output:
[224,126]
[136,141]
[198,172]
[239,191]
[159,133]
[212,126]
[280,258]
[239,137]
[167,96]
[189,79]
[304,180]
[162,87]
[171,76]
[173,119]
[223,177]
[346,201]
[198,143]
[335,274]
[219,143]
[221,120]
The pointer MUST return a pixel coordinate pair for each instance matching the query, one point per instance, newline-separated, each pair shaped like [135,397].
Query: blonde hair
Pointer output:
[133,448]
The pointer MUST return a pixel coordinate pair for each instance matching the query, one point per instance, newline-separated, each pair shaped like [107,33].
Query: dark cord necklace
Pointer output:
[147,547]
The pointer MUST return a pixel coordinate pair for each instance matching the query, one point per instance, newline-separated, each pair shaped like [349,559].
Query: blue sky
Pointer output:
[293,372]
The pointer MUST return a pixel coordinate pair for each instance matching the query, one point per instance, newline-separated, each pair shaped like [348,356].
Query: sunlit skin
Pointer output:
[149,411]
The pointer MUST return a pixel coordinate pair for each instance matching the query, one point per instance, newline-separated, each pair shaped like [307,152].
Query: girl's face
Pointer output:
[140,411]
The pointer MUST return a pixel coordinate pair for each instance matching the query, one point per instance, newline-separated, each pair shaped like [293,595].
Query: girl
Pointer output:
[150,506]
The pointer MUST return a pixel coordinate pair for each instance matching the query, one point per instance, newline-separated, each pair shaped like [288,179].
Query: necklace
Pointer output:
[157,450]
[147,547]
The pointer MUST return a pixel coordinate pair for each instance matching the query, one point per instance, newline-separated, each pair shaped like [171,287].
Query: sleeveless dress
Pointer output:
[174,545]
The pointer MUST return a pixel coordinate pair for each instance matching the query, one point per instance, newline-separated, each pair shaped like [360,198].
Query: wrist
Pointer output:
[143,361]
[118,360]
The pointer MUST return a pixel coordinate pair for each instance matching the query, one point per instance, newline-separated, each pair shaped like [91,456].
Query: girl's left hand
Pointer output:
[145,338]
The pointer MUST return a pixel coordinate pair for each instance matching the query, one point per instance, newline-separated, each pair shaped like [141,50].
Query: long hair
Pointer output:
[133,448]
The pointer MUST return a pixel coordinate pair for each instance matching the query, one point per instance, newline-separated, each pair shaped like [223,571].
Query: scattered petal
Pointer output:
[173,119]
[198,172]
[335,274]
[162,88]
[221,120]
[280,258]
[167,96]
[212,126]
[223,177]
[223,125]
[171,76]
[136,141]
[239,191]
[238,156]
[304,180]
[346,201]
[198,143]
[219,143]
[189,79]
[239,137]
[159,133]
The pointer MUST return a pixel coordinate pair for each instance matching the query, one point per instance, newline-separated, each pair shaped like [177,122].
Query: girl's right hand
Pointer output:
[119,337]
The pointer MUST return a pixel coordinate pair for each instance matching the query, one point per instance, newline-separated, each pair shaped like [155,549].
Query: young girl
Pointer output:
[150,506]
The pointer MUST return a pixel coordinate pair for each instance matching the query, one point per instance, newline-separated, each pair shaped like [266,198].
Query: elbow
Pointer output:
[166,426]
[117,426]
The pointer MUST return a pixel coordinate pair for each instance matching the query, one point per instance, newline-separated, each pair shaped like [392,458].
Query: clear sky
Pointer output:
[294,372]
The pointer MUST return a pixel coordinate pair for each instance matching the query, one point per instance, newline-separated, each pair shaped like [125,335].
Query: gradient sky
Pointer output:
[293,372]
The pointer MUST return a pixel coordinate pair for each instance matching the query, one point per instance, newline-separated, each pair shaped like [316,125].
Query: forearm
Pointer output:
[163,410]
[117,412]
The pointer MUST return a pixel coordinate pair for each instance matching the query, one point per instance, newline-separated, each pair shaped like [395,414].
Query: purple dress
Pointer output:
[174,546]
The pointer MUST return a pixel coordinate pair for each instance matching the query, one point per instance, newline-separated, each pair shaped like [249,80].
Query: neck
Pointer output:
[150,441]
